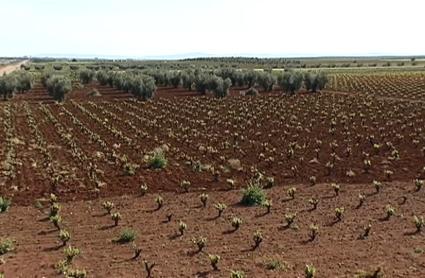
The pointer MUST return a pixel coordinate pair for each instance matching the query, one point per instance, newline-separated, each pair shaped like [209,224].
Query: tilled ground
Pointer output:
[392,244]
[293,139]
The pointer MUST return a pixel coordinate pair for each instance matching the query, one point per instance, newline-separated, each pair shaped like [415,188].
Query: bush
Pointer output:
[253,195]
[222,87]
[7,86]
[201,83]
[86,76]
[187,80]
[126,236]
[58,87]
[142,87]
[58,67]
[102,77]
[24,82]
[174,79]
[266,80]
[158,159]
[39,67]
[250,78]
[4,204]
[290,82]
[149,88]
[314,81]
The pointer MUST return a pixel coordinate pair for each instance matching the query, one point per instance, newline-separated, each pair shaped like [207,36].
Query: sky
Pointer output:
[160,28]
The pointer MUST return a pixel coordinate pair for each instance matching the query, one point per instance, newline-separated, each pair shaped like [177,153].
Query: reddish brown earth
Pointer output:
[204,131]
[337,252]
[265,128]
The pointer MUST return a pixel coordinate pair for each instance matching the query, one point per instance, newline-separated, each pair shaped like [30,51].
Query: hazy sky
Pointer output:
[219,27]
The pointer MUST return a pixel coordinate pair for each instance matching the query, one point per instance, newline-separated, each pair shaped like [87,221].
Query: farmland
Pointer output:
[331,162]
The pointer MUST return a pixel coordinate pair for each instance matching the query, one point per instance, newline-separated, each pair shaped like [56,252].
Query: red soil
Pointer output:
[337,252]
[201,131]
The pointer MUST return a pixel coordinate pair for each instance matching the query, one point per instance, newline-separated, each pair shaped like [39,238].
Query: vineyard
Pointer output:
[144,181]
[401,85]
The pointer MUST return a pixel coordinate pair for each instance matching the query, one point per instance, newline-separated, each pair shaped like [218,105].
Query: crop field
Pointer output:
[401,85]
[211,173]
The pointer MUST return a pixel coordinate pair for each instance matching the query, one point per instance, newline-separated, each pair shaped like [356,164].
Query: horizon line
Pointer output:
[189,56]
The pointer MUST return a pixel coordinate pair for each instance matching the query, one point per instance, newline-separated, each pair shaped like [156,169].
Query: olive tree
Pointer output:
[187,80]
[7,86]
[102,77]
[290,82]
[315,81]
[58,67]
[149,88]
[86,76]
[201,83]
[250,78]
[142,87]
[24,81]
[266,80]
[222,87]
[174,78]
[58,86]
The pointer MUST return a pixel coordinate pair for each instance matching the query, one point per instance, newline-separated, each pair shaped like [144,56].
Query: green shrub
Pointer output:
[266,80]
[158,159]
[275,265]
[187,80]
[58,67]
[175,79]
[4,204]
[142,87]
[253,195]
[290,82]
[24,82]
[102,77]
[222,87]
[58,87]
[126,236]
[86,76]
[7,86]
[315,81]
